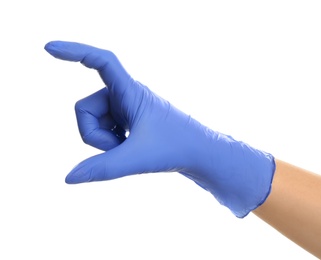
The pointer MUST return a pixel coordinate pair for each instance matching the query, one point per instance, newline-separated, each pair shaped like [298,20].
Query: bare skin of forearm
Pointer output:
[294,206]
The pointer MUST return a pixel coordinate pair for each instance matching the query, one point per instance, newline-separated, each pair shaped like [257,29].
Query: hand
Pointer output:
[161,138]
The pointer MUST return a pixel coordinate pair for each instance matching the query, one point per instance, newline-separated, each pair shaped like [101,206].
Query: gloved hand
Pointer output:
[161,138]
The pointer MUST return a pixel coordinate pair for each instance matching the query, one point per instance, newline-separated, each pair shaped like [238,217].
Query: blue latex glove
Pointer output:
[161,137]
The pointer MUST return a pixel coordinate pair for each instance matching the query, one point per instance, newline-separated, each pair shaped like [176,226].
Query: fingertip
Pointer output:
[52,46]
[47,46]
[70,51]
[69,180]
[77,176]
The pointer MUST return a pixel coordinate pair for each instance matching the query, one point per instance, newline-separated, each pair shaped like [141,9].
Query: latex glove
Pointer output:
[161,137]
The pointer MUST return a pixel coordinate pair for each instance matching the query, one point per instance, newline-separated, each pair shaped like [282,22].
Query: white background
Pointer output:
[250,69]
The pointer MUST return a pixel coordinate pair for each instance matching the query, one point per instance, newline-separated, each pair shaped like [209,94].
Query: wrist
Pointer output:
[237,175]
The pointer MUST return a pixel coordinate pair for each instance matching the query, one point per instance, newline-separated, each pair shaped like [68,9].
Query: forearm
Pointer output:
[294,206]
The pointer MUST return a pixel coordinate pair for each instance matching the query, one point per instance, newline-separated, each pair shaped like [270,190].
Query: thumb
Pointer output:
[91,169]
[119,162]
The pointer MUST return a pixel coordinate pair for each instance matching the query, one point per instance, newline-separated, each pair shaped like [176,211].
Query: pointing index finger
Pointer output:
[105,62]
